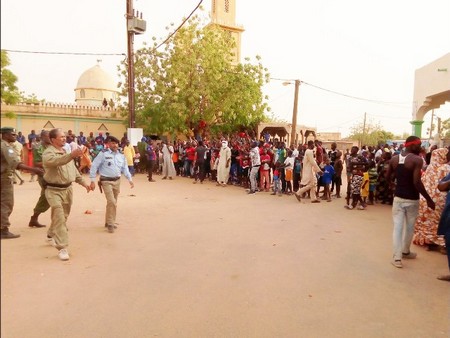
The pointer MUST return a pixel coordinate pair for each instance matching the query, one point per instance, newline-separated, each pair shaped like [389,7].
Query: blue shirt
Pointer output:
[328,173]
[109,164]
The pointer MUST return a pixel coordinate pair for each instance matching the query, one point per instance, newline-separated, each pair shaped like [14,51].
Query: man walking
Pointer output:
[309,178]
[42,204]
[256,163]
[60,173]
[110,164]
[406,168]
[9,162]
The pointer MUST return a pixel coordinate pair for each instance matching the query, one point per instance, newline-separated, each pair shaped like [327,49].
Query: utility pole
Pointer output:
[130,46]
[364,131]
[135,25]
[294,114]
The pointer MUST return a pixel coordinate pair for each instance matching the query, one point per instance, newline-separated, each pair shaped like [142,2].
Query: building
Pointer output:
[94,87]
[431,90]
[87,114]
[223,14]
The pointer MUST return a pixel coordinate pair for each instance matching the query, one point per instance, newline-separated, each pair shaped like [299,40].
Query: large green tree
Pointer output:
[192,86]
[370,134]
[9,91]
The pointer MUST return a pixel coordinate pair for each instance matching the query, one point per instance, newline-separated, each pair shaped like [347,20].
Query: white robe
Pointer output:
[310,168]
[223,173]
[168,168]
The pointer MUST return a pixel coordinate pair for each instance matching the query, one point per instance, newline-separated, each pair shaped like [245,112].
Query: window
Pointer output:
[227,6]
[82,94]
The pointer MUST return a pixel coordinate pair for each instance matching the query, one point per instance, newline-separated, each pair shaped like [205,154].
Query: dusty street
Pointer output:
[205,261]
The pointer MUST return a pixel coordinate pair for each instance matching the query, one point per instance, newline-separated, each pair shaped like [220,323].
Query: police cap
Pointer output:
[112,139]
[5,130]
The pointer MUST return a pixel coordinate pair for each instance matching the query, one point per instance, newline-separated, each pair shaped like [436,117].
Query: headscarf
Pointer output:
[224,144]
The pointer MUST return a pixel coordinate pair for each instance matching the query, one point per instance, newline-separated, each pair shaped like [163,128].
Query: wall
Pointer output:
[25,117]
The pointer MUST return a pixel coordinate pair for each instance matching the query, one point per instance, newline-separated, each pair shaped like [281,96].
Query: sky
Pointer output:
[348,53]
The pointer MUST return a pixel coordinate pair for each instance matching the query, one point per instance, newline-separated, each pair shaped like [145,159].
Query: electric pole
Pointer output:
[364,131]
[135,25]
[294,114]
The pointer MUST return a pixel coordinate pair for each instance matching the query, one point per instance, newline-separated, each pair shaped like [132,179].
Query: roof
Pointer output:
[96,78]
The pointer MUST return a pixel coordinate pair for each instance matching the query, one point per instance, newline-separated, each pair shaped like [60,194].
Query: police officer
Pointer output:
[60,173]
[9,162]
[110,164]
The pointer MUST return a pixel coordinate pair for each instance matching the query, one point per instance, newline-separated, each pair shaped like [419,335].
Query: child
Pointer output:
[276,180]
[373,179]
[288,170]
[338,167]
[355,189]
[365,188]
[327,177]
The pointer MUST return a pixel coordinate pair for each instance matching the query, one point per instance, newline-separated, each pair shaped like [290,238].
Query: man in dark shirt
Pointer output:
[406,169]
[199,162]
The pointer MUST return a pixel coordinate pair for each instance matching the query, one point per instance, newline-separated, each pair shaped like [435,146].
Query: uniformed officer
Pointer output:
[9,162]
[110,164]
[42,204]
[60,173]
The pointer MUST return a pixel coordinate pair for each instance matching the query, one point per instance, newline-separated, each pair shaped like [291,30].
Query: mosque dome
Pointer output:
[96,88]
[97,78]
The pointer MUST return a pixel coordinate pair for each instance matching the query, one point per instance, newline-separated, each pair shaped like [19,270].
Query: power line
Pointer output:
[342,94]
[105,54]
[62,53]
[179,27]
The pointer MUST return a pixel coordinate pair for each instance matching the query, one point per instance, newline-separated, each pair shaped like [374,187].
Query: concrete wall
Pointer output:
[26,117]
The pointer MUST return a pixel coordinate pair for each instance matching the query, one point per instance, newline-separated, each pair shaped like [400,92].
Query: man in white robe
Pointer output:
[168,168]
[309,178]
[223,168]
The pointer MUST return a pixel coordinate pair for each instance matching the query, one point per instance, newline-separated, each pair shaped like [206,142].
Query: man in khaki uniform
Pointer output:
[9,162]
[60,173]
[110,164]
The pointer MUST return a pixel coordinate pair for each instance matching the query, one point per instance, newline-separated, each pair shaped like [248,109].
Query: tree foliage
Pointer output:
[9,91]
[445,128]
[370,134]
[191,86]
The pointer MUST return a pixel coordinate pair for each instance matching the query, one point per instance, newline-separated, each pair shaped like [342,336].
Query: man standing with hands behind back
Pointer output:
[110,164]
[60,173]
[405,168]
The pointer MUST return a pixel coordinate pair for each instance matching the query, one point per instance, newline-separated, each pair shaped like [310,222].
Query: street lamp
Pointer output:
[294,112]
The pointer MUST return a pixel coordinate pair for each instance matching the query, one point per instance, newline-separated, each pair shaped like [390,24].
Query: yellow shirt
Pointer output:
[129,154]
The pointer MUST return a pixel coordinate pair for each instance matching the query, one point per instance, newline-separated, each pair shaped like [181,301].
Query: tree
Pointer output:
[445,128]
[9,91]
[372,134]
[192,87]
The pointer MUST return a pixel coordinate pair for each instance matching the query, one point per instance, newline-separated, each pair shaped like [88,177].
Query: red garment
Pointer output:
[190,153]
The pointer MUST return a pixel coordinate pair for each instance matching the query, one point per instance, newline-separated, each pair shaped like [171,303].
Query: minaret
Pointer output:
[223,13]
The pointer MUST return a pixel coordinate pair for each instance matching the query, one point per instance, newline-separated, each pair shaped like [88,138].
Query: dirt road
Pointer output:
[205,261]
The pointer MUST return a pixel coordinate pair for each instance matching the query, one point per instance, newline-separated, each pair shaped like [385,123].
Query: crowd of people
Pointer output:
[307,171]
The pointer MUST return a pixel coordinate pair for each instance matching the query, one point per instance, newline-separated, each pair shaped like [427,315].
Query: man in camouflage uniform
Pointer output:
[42,204]
[60,173]
[9,162]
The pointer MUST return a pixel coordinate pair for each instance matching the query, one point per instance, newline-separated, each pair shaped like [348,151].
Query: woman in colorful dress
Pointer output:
[425,230]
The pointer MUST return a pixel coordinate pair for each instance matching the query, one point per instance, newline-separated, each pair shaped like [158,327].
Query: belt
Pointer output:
[103,178]
[56,185]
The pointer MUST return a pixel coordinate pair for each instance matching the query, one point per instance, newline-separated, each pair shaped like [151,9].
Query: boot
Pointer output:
[34,222]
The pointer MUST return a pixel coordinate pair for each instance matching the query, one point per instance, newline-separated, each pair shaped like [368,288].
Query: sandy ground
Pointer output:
[205,261]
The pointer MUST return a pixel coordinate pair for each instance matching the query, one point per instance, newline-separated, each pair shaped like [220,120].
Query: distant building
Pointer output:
[223,13]
[94,86]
